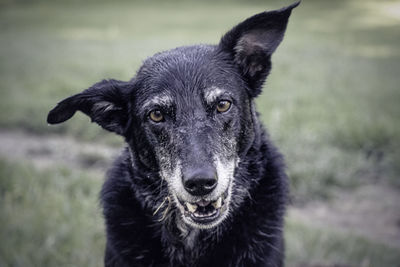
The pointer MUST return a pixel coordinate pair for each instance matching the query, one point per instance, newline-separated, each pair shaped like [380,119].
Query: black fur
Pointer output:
[145,226]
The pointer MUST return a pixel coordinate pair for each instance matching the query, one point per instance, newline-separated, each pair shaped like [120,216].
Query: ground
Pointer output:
[370,211]
[331,104]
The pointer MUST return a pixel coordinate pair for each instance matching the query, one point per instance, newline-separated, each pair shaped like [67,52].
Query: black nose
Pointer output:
[200,182]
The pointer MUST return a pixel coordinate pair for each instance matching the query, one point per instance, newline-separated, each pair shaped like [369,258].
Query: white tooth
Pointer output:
[218,203]
[191,207]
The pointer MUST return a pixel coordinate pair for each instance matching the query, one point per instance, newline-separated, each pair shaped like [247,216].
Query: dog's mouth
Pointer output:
[203,213]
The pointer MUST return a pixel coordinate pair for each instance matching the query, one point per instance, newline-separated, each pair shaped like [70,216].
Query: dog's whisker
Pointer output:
[260,233]
[271,224]
[160,188]
[128,223]
[162,204]
[166,210]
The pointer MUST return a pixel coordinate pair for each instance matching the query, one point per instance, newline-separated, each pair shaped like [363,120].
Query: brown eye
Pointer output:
[156,115]
[223,106]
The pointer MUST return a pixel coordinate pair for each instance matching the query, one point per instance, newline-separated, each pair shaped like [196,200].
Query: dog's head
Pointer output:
[188,113]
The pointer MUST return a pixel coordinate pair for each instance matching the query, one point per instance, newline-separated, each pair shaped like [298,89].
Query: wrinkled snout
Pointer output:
[200,181]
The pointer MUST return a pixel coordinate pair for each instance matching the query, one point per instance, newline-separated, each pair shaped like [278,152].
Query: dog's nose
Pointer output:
[200,182]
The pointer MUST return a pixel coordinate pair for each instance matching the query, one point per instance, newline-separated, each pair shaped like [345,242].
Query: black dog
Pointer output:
[199,184]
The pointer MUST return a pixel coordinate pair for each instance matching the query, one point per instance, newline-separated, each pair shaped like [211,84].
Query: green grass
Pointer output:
[52,218]
[310,245]
[331,104]
[49,218]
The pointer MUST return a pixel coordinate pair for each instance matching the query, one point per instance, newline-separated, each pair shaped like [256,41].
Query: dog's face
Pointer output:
[188,114]
[190,105]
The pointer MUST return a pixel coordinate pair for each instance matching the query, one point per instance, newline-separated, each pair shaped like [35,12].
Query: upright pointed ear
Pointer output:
[251,43]
[106,103]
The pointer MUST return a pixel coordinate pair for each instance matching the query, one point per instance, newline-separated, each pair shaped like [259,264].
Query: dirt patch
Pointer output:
[48,151]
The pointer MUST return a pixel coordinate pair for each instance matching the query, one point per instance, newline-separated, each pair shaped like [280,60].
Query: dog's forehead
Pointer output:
[188,73]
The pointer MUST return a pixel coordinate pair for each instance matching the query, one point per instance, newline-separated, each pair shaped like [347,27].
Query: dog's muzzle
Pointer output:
[202,193]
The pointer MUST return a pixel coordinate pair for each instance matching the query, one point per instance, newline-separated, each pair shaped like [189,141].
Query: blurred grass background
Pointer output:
[331,103]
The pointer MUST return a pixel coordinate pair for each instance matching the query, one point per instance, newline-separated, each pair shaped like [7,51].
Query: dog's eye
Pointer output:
[156,115]
[223,106]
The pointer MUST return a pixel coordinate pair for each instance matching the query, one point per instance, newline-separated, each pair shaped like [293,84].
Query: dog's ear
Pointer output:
[251,43]
[106,103]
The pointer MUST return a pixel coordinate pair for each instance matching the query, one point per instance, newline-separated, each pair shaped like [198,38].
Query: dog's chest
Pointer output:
[188,250]
[190,240]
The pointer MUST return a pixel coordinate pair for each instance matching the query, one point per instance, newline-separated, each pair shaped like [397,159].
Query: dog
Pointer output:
[199,183]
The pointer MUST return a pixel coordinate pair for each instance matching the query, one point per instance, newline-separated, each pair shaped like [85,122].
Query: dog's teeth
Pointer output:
[191,207]
[218,203]
[207,214]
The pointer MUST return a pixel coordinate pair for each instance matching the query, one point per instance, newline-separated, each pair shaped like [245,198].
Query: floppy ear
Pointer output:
[106,103]
[252,42]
